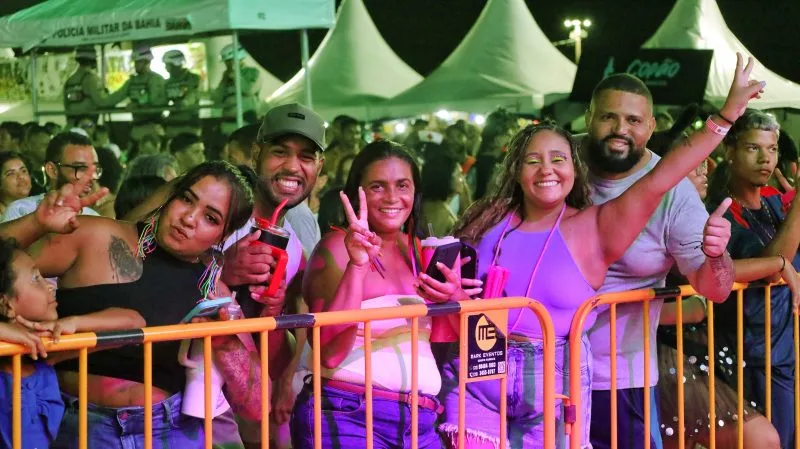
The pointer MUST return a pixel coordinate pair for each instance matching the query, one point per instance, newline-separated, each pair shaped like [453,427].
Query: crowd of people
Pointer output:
[98,236]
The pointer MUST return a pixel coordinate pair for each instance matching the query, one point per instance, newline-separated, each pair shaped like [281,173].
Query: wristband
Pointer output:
[719,114]
[784,263]
[712,126]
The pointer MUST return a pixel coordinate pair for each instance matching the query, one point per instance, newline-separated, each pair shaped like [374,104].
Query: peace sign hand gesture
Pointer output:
[362,244]
[742,89]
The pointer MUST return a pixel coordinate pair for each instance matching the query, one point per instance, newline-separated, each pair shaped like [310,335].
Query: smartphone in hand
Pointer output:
[206,308]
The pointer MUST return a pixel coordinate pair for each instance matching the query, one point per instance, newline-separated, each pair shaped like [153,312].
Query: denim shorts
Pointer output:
[344,421]
[123,428]
[524,396]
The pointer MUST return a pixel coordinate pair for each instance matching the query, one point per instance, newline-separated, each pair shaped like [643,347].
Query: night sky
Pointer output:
[424,32]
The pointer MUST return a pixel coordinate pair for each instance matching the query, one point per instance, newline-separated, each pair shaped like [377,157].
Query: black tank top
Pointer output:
[165,293]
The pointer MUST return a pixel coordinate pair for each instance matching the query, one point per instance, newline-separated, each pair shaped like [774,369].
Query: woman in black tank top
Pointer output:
[152,267]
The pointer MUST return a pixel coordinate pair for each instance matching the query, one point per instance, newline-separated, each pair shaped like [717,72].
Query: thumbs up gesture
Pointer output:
[717,232]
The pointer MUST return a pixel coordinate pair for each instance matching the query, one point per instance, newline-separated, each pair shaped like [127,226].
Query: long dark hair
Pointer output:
[241,200]
[507,195]
[378,151]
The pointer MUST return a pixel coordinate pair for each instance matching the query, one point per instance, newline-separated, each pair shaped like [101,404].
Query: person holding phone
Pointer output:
[374,263]
[153,267]
[539,224]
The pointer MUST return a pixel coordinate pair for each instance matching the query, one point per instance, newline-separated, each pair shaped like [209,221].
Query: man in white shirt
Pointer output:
[288,159]
[68,158]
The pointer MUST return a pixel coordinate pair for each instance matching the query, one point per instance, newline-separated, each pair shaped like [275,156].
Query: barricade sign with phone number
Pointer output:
[486,344]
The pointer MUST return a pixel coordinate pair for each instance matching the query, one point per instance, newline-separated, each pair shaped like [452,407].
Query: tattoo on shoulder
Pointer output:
[125,266]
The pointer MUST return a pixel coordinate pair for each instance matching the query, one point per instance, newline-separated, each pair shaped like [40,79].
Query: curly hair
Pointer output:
[507,195]
[8,248]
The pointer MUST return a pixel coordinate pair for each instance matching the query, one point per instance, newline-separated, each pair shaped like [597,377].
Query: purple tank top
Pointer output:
[559,284]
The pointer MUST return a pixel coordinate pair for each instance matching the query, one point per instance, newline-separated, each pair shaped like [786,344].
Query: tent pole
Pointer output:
[237,72]
[304,60]
[102,67]
[34,89]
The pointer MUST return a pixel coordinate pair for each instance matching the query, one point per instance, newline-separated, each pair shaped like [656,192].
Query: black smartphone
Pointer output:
[470,269]
[448,255]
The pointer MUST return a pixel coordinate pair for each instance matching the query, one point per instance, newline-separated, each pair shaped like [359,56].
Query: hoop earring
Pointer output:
[147,239]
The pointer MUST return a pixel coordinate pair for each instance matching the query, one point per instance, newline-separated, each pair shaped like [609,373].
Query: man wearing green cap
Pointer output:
[182,93]
[225,94]
[83,91]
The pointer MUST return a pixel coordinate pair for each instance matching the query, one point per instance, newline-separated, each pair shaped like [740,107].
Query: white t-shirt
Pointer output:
[671,236]
[25,206]
[191,357]
[305,225]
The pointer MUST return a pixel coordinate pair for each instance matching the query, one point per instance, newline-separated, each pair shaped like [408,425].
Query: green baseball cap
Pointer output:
[293,119]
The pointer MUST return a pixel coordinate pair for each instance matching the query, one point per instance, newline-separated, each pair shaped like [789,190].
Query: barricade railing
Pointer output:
[263,326]
[611,300]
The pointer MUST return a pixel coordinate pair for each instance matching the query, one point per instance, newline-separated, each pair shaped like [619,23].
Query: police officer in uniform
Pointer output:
[145,89]
[182,92]
[83,92]
[225,94]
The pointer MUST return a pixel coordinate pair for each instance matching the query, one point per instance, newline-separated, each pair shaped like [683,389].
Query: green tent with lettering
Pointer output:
[68,23]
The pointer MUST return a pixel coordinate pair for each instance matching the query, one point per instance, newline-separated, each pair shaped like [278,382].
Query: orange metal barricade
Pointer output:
[148,336]
[644,297]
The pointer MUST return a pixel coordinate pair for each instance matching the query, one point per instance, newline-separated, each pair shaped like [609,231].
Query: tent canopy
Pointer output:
[505,60]
[698,24]
[64,23]
[352,69]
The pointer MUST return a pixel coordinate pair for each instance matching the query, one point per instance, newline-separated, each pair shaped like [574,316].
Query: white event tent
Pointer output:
[505,60]
[698,24]
[351,70]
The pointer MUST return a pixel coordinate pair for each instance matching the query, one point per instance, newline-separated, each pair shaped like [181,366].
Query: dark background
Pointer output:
[424,32]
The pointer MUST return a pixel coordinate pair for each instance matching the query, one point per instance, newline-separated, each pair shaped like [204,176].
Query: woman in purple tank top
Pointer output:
[538,224]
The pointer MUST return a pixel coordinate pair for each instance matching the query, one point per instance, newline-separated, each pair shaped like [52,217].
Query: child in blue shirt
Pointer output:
[28,309]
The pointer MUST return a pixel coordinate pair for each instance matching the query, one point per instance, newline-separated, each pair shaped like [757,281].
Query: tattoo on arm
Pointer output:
[241,371]
[723,270]
[125,266]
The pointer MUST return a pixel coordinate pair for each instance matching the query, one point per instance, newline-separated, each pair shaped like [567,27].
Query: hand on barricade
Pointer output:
[742,90]
[790,276]
[717,232]
[362,244]
[52,329]
[247,264]
[454,288]
[13,333]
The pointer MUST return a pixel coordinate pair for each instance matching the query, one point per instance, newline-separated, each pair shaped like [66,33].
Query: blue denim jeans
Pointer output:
[123,428]
[344,421]
[782,397]
[630,419]
[524,396]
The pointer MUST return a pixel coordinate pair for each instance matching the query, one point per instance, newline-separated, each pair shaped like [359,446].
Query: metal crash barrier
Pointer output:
[487,318]
[612,300]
